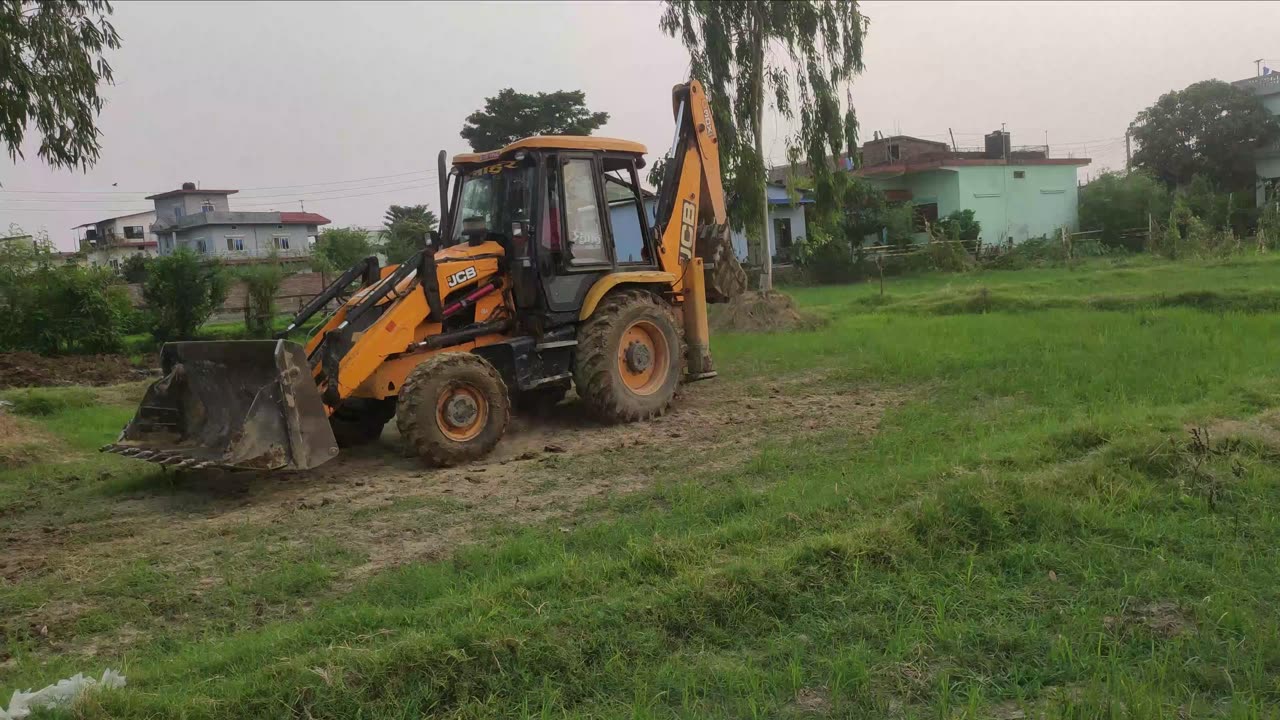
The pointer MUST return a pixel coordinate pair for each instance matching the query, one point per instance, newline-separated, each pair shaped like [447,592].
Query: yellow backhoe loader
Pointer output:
[552,268]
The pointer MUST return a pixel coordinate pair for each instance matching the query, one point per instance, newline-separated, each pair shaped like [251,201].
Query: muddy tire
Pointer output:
[539,401]
[630,357]
[453,408]
[360,422]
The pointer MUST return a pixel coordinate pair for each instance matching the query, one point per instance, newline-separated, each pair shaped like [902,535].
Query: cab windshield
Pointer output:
[494,201]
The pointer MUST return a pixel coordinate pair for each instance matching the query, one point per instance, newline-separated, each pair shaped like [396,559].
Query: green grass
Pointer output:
[1033,528]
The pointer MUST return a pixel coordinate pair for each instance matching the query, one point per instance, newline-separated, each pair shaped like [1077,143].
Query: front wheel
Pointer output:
[453,408]
[630,357]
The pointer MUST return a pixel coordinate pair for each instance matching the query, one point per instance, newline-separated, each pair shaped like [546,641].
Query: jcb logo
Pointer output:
[462,276]
[688,219]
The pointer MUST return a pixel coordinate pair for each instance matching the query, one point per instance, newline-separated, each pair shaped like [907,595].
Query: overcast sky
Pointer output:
[344,106]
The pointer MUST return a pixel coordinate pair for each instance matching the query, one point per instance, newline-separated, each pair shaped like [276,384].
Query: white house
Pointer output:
[111,241]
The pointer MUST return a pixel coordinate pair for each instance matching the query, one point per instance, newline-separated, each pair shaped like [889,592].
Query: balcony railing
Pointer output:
[1260,85]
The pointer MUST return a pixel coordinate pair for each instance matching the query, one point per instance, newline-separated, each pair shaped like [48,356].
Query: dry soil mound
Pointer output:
[757,311]
[25,369]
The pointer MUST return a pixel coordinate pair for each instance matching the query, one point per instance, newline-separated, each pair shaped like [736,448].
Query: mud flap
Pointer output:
[248,405]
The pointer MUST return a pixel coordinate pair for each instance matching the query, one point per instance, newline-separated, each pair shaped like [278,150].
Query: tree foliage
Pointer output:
[339,248]
[53,308]
[1210,128]
[182,291]
[1115,202]
[510,115]
[797,54]
[135,267]
[52,59]
[405,231]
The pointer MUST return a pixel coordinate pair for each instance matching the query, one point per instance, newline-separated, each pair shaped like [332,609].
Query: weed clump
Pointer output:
[763,311]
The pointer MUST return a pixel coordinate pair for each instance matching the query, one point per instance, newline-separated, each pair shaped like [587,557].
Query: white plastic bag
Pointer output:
[60,694]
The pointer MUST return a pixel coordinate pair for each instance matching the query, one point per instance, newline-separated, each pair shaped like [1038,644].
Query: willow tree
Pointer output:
[801,55]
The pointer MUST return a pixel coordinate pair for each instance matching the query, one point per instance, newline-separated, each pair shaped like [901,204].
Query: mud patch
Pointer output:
[762,311]
[26,369]
[1165,619]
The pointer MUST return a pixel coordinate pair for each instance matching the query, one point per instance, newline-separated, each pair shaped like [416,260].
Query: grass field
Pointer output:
[1065,504]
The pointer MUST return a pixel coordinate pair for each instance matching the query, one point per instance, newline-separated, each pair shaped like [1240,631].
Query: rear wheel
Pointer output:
[453,408]
[630,357]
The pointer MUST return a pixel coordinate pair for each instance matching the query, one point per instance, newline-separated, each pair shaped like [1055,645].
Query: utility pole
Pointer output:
[953,141]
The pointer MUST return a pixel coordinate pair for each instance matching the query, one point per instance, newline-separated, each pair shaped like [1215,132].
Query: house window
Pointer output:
[1019,174]
[91,234]
[895,152]
[200,247]
[178,212]
[206,206]
[235,244]
[133,232]
[281,242]
[925,213]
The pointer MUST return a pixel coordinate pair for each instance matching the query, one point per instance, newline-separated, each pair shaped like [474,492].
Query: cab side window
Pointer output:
[584,232]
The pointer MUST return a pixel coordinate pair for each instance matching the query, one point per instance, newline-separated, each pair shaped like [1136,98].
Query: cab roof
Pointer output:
[554,142]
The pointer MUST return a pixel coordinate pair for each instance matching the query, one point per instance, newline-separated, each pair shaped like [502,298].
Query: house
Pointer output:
[202,221]
[110,242]
[1016,193]
[1266,161]
[786,222]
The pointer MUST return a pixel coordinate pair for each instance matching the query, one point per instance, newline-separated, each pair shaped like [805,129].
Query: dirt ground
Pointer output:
[391,510]
[26,369]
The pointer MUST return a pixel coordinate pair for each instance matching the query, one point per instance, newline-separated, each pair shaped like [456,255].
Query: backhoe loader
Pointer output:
[552,268]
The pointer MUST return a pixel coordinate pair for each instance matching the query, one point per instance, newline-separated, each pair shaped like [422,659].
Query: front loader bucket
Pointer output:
[249,405]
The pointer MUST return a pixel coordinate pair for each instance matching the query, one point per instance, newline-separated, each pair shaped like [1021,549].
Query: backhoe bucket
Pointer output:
[246,405]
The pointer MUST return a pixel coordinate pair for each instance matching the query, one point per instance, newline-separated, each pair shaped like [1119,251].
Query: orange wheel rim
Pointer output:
[461,412]
[643,357]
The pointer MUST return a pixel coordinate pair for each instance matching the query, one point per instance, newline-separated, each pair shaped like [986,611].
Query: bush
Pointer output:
[826,259]
[55,309]
[339,248]
[960,225]
[135,267]
[181,292]
[1114,202]
[261,282]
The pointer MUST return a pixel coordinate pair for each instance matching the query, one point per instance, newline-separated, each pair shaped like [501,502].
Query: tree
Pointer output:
[339,248]
[51,62]
[182,291]
[509,116]
[406,228]
[261,283]
[1209,128]
[732,45]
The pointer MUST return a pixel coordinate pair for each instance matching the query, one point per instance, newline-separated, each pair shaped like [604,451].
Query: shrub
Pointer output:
[54,309]
[261,282]
[181,292]
[134,269]
[960,225]
[339,248]
[826,259]
[1114,202]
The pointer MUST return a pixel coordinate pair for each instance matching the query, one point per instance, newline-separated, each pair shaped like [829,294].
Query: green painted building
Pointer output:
[1016,193]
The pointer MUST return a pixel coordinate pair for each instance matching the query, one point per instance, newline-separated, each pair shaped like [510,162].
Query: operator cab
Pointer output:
[566,211]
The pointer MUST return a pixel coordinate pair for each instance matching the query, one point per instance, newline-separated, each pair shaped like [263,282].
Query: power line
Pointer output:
[264,187]
[318,194]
